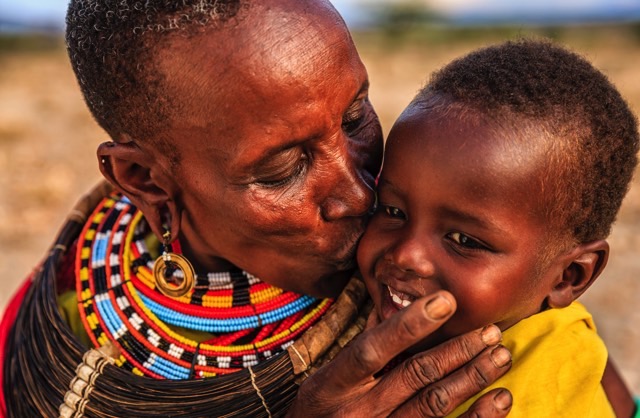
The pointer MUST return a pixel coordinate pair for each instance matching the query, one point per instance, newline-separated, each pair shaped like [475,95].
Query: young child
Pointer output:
[500,183]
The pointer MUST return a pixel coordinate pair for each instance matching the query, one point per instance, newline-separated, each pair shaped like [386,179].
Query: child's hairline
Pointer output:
[506,124]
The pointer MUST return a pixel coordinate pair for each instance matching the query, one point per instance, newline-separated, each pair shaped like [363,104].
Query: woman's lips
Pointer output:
[345,257]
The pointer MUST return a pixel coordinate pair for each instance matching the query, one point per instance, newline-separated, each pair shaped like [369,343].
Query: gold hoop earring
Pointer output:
[166,265]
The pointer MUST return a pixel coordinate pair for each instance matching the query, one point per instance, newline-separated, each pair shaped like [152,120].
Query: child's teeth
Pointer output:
[398,300]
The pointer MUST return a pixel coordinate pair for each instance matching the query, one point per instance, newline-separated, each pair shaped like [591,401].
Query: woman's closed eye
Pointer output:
[284,175]
[354,116]
[466,242]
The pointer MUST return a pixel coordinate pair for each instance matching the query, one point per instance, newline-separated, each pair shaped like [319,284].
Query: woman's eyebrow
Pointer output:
[264,159]
[363,87]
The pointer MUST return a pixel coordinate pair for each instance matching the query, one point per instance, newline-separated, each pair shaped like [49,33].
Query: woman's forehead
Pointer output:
[298,87]
[280,49]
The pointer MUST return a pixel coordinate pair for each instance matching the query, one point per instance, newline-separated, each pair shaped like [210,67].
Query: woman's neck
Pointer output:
[203,263]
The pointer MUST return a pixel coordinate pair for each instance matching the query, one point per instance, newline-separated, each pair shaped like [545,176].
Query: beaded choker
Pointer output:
[117,299]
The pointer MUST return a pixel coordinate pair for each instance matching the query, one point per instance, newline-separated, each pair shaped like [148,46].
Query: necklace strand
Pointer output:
[117,299]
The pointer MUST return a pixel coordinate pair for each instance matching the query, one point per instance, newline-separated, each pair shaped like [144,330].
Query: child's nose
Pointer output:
[413,255]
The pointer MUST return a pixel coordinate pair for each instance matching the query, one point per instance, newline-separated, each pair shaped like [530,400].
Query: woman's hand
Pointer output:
[429,384]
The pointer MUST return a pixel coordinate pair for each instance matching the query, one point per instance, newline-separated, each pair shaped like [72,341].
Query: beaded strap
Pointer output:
[118,302]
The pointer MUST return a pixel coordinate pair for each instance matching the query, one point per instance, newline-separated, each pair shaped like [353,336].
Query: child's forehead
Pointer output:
[466,175]
[486,157]
[456,131]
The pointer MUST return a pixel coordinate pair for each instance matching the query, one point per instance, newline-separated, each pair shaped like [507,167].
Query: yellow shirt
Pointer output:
[558,363]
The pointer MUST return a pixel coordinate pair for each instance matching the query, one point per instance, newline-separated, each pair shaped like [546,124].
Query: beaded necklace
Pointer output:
[118,301]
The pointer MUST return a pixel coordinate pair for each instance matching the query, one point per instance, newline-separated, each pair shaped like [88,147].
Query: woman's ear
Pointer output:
[584,264]
[139,176]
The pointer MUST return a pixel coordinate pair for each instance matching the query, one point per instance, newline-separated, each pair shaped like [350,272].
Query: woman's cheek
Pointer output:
[280,212]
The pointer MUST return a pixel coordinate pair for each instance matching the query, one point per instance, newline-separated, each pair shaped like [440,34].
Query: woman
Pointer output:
[241,133]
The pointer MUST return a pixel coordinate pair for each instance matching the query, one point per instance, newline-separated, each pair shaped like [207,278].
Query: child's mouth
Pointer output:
[399,299]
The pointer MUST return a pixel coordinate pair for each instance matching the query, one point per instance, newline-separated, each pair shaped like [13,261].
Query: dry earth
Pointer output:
[48,142]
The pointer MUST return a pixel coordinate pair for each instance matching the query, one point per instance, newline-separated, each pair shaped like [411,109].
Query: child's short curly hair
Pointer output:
[594,133]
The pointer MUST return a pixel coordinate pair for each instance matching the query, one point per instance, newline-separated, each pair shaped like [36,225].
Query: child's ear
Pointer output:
[584,264]
[138,176]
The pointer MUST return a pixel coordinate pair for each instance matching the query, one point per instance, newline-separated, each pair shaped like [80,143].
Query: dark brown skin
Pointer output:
[401,249]
[459,200]
[617,392]
[429,384]
[279,148]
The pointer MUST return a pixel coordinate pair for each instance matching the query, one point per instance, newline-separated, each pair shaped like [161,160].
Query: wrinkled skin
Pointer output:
[277,149]
[281,167]
[430,384]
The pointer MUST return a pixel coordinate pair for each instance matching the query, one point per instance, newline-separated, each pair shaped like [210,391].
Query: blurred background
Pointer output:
[48,138]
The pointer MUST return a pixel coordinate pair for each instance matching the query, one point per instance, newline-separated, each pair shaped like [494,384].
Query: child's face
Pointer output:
[458,210]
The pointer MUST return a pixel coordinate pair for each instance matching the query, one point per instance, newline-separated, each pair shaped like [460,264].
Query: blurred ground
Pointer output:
[48,142]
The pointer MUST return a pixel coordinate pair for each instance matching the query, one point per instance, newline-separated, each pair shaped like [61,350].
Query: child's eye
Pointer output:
[466,241]
[393,212]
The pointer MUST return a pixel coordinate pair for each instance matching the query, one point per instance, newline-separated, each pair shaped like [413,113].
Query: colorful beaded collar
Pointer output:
[117,299]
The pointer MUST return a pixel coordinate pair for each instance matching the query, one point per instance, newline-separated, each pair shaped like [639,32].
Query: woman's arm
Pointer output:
[619,395]
[429,384]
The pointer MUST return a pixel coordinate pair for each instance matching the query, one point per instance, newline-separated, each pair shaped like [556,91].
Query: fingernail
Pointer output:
[503,400]
[491,335]
[439,307]
[500,356]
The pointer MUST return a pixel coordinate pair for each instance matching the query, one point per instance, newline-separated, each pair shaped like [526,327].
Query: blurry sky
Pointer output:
[36,11]
[534,11]
[51,12]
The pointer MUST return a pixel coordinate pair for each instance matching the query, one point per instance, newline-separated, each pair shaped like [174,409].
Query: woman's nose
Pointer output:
[351,195]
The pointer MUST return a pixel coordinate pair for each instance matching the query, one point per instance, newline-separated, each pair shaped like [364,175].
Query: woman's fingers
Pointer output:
[346,385]
[441,395]
[493,404]
[429,384]
[377,346]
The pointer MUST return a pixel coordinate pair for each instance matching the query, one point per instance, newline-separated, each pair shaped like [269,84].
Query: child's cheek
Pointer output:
[371,250]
